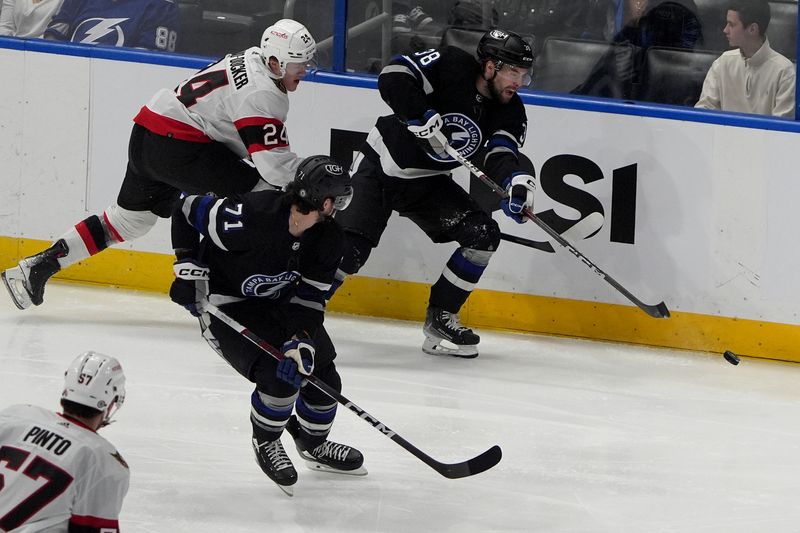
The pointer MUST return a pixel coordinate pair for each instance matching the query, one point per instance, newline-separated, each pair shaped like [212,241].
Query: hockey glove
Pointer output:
[428,130]
[520,188]
[190,288]
[299,362]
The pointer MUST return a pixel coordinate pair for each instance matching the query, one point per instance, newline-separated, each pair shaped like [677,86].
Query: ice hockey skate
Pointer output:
[444,335]
[26,281]
[329,456]
[272,459]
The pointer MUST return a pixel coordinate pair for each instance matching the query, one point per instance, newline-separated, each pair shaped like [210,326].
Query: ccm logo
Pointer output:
[192,273]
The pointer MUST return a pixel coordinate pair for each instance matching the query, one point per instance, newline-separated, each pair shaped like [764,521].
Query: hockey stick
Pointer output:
[588,225]
[656,311]
[536,245]
[473,466]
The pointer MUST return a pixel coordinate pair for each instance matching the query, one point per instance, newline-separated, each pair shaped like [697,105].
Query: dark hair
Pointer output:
[79,410]
[752,11]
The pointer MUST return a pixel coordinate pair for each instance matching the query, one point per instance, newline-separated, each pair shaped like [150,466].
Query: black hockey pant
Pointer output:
[160,168]
[439,207]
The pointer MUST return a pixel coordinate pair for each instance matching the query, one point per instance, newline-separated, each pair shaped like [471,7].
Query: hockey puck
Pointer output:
[731,357]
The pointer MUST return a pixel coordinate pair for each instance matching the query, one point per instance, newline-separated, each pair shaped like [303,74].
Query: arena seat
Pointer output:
[464,38]
[711,14]
[675,75]
[189,38]
[782,30]
[563,65]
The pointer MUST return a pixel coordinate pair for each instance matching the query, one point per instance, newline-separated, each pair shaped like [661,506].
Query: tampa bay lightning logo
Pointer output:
[465,136]
[263,286]
[100,31]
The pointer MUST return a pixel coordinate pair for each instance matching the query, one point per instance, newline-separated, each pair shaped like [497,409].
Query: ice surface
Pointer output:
[596,437]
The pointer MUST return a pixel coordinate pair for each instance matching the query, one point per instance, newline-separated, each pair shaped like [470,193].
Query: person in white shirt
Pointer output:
[26,18]
[753,78]
[222,130]
[57,475]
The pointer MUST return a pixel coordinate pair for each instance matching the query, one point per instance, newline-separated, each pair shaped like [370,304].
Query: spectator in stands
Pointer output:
[413,30]
[645,23]
[150,24]
[26,18]
[753,78]
[639,24]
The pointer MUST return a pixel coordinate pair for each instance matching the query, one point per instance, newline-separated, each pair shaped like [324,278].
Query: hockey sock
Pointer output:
[315,422]
[94,234]
[459,277]
[85,239]
[269,414]
[338,279]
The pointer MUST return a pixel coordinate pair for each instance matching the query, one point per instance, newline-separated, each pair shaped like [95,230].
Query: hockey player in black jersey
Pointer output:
[438,97]
[268,259]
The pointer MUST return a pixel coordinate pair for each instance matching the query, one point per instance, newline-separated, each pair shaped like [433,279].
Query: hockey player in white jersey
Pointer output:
[57,475]
[222,131]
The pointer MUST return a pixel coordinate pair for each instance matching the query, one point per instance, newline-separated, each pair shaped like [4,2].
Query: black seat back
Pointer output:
[675,75]
[782,29]
[465,38]
[565,64]
[711,14]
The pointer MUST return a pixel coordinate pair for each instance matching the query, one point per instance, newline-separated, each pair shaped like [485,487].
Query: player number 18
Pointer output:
[426,57]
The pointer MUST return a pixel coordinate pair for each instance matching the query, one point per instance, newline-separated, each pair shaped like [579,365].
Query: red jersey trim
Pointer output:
[255,121]
[169,127]
[94,521]
[75,421]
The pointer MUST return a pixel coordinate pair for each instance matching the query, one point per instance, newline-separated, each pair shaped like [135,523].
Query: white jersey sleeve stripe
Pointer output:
[212,226]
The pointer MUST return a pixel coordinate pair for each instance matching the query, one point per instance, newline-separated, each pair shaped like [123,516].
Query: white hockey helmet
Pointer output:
[288,41]
[97,381]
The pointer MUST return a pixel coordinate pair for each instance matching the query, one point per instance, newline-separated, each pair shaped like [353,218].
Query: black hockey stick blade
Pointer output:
[476,465]
[656,311]
[473,466]
[536,245]
[659,311]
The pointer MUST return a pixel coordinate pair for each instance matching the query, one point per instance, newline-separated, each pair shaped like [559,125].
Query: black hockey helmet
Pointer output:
[319,177]
[505,46]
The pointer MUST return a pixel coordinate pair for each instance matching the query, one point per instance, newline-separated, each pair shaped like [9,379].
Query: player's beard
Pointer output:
[496,94]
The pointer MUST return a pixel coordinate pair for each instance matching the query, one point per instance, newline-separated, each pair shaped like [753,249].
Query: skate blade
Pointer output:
[288,490]
[13,284]
[434,346]
[319,467]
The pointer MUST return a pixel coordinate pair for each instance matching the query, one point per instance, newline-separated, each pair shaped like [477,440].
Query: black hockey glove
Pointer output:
[190,288]
[299,362]
[428,131]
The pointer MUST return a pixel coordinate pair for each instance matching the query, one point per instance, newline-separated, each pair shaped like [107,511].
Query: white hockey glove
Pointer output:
[429,131]
[299,362]
[521,188]
[190,288]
